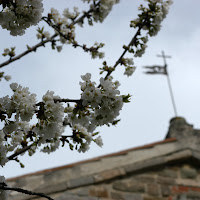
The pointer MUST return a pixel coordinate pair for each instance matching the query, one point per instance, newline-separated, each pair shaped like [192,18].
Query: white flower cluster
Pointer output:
[43,35]
[141,47]
[104,103]
[162,9]
[155,16]
[103,10]
[63,24]
[129,68]
[105,99]
[71,15]
[96,54]
[22,102]
[98,106]
[3,193]
[86,135]
[101,107]
[22,105]
[50,125]
[20,15]
[160,16]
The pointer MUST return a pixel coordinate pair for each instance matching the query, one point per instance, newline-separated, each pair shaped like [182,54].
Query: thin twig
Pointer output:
[3,187]
[72,41]
[20,151]
[29,50]
[78,101]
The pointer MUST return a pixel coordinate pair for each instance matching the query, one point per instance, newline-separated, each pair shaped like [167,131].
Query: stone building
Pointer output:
[165,170]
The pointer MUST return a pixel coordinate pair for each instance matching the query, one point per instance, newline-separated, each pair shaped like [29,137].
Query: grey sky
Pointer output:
[146,118]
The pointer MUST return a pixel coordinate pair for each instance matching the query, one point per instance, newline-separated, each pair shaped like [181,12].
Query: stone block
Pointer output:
[80,181]
[125,196]
[98,191]
[168,173]
[55,177]
[165,190]
[129,186]
[153,189]
[145,178]
[82,191]
[67,196]
[144,164]
[188,182]
[109,174]
[49,189]
[193,195]
[188,172]
[165,180]
[153,198]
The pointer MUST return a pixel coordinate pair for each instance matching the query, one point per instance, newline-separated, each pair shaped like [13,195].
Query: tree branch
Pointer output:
[20,151]
[29,50]
[4,187]
[34,48]
[132,42]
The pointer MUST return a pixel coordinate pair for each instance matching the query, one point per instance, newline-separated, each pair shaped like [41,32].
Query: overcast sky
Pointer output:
[146,118]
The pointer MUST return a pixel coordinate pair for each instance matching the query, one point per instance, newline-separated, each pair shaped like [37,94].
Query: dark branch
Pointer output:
[3,187]
[78,101]
[12,157]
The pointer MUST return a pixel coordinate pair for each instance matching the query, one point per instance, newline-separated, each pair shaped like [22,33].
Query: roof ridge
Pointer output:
[123,152]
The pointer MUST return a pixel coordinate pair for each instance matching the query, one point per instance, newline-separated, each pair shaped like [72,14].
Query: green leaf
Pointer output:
[126,98]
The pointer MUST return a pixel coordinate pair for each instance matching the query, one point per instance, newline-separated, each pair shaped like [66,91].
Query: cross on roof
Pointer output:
[164,57]
[156,69]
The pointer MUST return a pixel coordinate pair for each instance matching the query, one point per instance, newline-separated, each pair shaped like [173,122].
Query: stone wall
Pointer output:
[165,170]
[175,182]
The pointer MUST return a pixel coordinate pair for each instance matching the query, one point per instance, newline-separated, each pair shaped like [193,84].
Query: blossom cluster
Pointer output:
[98,106]
[50,125]
[63,24]
[129,68]
[149,20]
[101,106]
[105,99]
[19,15]
[152,16]
[16,112]
[101,9]
[6,77]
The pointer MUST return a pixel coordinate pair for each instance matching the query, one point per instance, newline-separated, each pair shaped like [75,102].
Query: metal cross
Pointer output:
[164,57]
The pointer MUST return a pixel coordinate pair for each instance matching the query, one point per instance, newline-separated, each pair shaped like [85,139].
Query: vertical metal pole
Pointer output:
[169,84]
[171,93]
